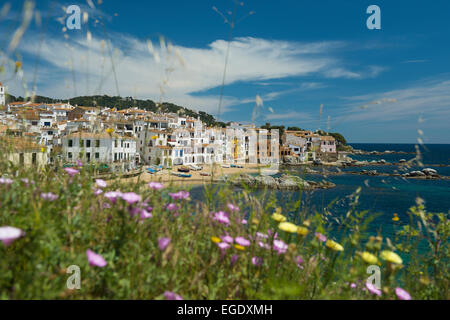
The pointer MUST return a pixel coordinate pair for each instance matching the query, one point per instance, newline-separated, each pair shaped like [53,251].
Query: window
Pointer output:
[88,156]
[69,155]
[97,155]
[33,158]
[21,158]
[70,143]
[97,143]
[115,143]
[88,143]
[81,143]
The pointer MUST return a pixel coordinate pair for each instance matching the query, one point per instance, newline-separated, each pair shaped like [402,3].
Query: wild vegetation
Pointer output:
[153,241]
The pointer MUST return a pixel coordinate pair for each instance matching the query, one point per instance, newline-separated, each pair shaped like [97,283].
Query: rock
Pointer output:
[402,160]
[266,181]
[287,182]
[382,161]
[430,172]
[417,174]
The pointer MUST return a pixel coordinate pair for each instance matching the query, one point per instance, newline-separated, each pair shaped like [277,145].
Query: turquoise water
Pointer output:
[381,195]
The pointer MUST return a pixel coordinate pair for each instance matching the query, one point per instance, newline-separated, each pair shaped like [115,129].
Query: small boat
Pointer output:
[225,166]
[205,174]
[195,167]
[150,170]
[235,166]
[181,175]
[183,169]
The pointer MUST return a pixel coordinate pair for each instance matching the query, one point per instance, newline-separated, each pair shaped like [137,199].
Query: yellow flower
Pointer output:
[395,218]
[334,245]
[255,221]
[215,239]
[18,65]
[288,227]
[239,247]
[306,223]
[155,137]
[369,258]
[390,256]
[278,217]
[302,231]
[110,130]
[43,149]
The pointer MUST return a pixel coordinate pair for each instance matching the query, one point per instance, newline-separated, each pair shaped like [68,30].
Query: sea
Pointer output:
[382,196]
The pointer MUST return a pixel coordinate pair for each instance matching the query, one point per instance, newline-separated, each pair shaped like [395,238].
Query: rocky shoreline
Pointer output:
[285,182]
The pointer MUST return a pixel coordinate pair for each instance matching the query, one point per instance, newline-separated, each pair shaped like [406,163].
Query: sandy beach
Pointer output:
[215,171]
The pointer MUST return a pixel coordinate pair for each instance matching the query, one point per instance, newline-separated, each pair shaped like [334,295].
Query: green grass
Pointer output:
[58,233]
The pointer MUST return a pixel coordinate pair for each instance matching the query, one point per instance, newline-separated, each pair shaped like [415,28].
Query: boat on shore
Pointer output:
[181,175]
[183,169]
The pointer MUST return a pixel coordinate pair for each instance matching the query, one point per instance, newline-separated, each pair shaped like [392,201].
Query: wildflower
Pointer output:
[215,239]
[320,237]
[49,196]
[244,221]
[71,171]
[298,260]
[261,235]
[95,259]
[288,227]
[279,246]
[113,195]
[130,197]
[25,180]
[239,247]
[145,214]
[109,130]
[395,218]
[334,245]
[79,163]
[391,257]
[232,207]
[101,183]
[402,294]
[221,217]
[242,241]
[9,234]
[163,243]
[6,181]
[234,258]
[369,258]
[263,245]
[179,195]
[172,296]
[302,231]
[228,239]
[172,207]
[257,261]
[98,192]
[372,289]
[155,185]
[278,217]
[353,285]
[223,245]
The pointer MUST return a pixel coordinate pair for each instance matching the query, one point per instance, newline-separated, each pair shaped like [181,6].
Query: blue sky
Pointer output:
[375,85]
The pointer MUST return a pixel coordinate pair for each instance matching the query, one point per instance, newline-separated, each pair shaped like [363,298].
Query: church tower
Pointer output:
[2,95]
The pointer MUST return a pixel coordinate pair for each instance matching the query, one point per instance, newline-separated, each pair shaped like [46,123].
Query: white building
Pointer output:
[2,95]
[101,148]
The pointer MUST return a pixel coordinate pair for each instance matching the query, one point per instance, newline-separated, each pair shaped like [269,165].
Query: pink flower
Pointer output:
[49,196]
[9,234]
[95,259]
[145,214]
[260,235]
[234,258]
[172,207]
[25,180]
[155,185]
[163,243]
[228,239]
[101,183]
[299,261]
[113,195]
[320,237]
[232,207]
[402,294]
[130,197]
[243,221]
[98,192]
[353,285]
[79,163]
[221,217]
[242,241]
[257,261]
[6,181]
[279,246]
[223,245]
[179,195]
[372,289]
[71,171]
[172,296]
[263,245]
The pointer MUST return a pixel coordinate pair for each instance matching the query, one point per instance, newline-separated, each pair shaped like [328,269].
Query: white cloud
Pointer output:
[139,75]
